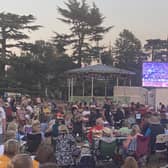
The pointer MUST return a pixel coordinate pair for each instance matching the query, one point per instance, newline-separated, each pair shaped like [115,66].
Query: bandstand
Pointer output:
[96,72]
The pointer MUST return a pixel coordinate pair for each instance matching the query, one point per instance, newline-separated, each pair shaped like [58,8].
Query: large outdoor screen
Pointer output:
[155,74]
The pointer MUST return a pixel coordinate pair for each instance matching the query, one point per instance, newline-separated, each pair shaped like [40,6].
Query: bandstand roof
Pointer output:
[101,70]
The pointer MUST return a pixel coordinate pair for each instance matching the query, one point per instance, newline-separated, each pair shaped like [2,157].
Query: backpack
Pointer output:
[87,162]
[8,111]
[55,130]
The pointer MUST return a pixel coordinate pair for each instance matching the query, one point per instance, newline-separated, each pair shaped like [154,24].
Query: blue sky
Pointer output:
[146,18]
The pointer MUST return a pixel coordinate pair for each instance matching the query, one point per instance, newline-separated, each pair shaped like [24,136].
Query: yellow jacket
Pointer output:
[4,160]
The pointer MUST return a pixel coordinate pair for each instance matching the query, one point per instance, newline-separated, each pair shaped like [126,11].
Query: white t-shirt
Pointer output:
[138,116]
[1,149]
[87,112]
[2,116]
[29,108]
[9,99]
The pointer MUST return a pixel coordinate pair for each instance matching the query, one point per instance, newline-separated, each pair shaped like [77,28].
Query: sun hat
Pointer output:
[63,129]
[60,116]
[154,119]
[92,106]
[107,131]
[7,104]
[124,105]
[75,106]
[27,117]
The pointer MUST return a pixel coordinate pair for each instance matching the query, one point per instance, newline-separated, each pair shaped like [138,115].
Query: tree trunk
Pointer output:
[3,51]
[79,61]
[46,92]
[3,44]
[79,53]
[81,41]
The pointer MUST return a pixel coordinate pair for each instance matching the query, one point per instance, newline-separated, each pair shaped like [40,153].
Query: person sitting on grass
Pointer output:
[96,131]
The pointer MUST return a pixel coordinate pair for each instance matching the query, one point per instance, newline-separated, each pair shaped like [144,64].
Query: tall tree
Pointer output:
[39,51]
[158,48]
[107,57]
[127,50]
[40,68]
[12,30]
[85,25]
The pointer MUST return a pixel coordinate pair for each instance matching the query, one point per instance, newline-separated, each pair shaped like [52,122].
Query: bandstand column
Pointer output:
[83,85]
[72,89]
[69,90]
[130,82]
[92,87]
[117,81]
[105,89]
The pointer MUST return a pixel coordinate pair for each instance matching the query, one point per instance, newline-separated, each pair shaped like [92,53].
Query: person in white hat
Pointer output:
[107,135]
[155,129]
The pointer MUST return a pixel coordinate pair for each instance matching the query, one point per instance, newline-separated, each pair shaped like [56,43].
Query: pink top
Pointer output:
[128,140]
[21,114]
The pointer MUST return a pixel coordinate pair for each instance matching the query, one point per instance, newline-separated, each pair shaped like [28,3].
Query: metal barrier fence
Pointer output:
[100,99]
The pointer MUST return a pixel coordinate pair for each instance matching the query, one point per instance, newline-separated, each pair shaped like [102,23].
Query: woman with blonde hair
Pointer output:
[10,134]
[133,135]
[130,162]
[35,138]
[135,130]
[65,146]
[12,127]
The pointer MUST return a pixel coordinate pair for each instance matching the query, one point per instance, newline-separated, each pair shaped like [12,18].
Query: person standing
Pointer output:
[107,109]
[65,146]
[155,129]
[2,122]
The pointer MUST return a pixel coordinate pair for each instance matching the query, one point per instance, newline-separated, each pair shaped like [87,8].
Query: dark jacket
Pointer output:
[77,127]
[145,128]
[156,129]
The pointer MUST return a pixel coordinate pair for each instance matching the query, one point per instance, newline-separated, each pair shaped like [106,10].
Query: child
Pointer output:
[28,126]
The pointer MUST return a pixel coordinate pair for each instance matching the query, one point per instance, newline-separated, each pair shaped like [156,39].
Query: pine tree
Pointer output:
[85,26]
[12,30]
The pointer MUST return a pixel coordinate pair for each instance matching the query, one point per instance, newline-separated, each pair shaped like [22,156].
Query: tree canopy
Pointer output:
[159,49]
[85,25]
[127,50]
[12,30]
[39,68]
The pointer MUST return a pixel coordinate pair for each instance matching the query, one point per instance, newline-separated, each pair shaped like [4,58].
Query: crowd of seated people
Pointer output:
[79,135]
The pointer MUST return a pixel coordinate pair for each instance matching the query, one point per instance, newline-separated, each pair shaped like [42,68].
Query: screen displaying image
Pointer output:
[155,74]
[138,116]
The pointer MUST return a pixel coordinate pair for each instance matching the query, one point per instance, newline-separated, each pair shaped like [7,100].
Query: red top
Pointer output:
[96,128]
